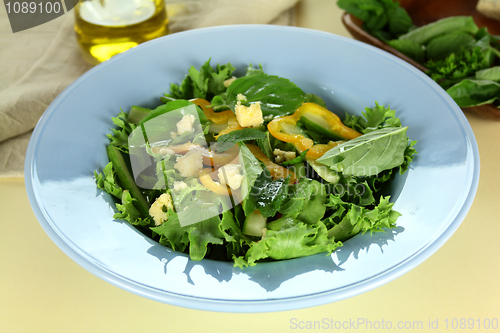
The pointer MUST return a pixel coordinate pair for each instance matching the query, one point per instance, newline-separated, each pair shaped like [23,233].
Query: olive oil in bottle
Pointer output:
[105,28]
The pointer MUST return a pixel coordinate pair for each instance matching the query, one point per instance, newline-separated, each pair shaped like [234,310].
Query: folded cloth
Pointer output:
[39,63]
[35,66]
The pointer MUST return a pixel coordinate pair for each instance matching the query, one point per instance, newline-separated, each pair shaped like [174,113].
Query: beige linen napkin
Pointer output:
[38,64]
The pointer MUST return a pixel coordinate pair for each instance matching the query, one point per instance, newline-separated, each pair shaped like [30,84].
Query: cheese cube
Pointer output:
[179,186]
[185,124]
[230,174]
[190,164]
[158,209]
[282,155]
[249,116]
[241,98]
[228,82]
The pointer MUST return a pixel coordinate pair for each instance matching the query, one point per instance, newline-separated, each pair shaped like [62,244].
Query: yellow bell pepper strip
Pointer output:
[277,171]
[207,181]
[232,125]
[207,176]
[215,117]
[286,129]
[276,126]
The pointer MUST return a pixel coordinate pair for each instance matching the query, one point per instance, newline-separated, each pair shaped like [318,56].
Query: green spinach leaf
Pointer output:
[368,154]
[475,92]
[278,96]
[424,34]
[444,45]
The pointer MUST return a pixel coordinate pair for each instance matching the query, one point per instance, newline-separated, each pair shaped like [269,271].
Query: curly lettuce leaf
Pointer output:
[119,137]
[205,82]
[106,181]
[457,66]
[198,236]
[296,241]
[372,119]
[254,71]
[129,212]
[350,219]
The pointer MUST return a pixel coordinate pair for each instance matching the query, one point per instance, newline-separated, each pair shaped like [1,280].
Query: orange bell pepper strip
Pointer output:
[277,171]
[215,117]
[319,150]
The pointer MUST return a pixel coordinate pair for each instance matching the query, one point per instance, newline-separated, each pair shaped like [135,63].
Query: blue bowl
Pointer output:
[69,142]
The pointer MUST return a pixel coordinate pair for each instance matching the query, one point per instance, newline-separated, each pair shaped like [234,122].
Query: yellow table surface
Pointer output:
[43,290]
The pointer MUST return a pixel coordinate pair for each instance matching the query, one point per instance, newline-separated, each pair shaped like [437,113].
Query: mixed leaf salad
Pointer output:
[458,55]
[251,168]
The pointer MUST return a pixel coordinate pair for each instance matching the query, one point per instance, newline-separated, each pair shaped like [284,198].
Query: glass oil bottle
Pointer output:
[105,28]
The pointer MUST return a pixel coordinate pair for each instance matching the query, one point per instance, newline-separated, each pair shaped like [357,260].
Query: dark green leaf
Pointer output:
[444,45]
[475,92]
[278,96]
[296,197]
[271,195]
[399,20]
[425,33]
[245,134]
[265,146]
[409,48]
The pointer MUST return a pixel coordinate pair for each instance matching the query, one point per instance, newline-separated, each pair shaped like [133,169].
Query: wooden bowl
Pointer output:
[423,12]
